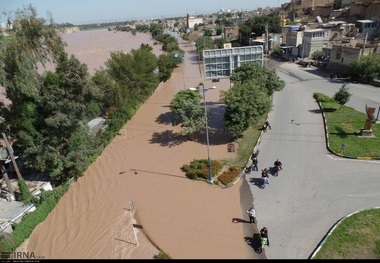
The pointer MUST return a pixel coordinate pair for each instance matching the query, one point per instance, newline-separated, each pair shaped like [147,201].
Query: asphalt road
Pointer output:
[315,188]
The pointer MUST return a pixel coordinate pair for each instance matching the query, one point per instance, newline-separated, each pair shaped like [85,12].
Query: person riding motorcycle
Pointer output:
[264,234]
[278,164]
[255,161]
[264,173]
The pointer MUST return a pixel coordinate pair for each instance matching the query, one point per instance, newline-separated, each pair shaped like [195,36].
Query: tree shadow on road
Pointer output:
[166,118]
[168,138]
[316,111]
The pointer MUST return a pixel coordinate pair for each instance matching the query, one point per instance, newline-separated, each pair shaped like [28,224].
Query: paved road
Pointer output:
[315,188]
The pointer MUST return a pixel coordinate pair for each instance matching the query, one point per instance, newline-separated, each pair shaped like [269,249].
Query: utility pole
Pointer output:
[6,177]
[266,38]
[10,152]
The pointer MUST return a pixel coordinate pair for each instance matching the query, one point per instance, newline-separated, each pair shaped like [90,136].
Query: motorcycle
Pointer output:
[263,242]
[276,170]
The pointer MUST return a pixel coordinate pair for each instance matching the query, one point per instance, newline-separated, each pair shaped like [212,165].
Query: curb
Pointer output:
[243,172]
[332,229]
[327,141]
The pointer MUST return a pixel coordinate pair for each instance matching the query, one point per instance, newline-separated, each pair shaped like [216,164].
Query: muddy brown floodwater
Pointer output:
[184,218]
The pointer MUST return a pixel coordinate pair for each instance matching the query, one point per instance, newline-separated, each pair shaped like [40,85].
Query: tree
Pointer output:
[189,112]
[317,55]
[25,194]
[208,32]
[264,77]
[250,97]
[258,25]
[342,96]
[219,43]
[204,43]
[60,110]
[245,103]
[365,67]
[165,67]
[134,73]
[46,110]
[219,30]
[33,43]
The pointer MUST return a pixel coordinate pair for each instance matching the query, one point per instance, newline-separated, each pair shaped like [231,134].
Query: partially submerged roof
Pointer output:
[96,124]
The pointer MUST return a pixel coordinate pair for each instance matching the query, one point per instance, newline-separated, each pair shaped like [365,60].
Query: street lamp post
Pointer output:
[207,139]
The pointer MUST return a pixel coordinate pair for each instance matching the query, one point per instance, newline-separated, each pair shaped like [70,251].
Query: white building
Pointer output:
[191,21]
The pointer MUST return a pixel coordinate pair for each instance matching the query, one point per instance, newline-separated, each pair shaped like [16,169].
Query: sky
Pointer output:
[99,11]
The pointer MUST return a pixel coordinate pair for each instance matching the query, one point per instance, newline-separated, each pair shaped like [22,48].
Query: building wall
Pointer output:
[374,10]
[194,20]
[341,57]
[312,42]
[303,4]
[323,11]
[294,38]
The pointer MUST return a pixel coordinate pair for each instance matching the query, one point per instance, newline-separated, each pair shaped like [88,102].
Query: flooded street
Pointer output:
[184,218]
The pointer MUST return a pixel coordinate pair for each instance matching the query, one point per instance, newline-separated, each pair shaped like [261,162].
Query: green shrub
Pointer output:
[342,96]
[321,97]
[162,255]
[229,176]
[25,193]
[277,51]
[317,55]
[199,169]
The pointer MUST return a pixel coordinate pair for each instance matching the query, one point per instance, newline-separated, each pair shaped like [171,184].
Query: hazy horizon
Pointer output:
[80,12]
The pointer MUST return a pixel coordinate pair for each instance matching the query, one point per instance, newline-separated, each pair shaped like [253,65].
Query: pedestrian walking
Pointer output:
[255,162]
[252,215]
[267,124]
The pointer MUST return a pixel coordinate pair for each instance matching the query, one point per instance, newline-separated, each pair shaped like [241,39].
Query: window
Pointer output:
[318,34]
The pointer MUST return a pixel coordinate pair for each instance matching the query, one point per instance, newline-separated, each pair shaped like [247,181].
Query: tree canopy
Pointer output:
[189,112]
[266,78]
[49,111]
[258,25]
[249,98]
[365,67]
[46,111]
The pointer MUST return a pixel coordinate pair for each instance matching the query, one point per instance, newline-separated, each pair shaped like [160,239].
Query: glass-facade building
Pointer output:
[219,63]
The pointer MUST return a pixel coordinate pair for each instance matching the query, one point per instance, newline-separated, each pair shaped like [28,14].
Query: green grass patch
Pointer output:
[356,237]
[344,125]
[247,142]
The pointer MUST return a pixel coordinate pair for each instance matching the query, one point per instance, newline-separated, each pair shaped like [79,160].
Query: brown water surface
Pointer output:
[186,219]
